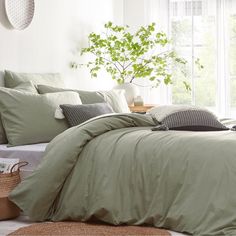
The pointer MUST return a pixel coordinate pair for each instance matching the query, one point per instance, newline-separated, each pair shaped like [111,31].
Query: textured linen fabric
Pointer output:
[186,118]
[27,87]
[13,79]
[117,170]
[87,97]
[115,98]
[29,118]
[3,138]
[2,83]
[77,114]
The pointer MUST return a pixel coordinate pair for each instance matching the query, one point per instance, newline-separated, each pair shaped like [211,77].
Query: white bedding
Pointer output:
[31,153]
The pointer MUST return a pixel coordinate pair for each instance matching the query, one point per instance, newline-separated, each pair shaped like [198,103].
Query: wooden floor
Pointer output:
[9,226]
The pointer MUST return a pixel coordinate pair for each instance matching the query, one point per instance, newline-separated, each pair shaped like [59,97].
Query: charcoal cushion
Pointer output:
[77,114]
[191,118]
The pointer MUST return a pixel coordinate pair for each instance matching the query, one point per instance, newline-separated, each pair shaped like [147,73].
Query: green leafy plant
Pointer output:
[127,56]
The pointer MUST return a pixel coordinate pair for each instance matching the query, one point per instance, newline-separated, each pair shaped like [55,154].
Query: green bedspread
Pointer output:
[118,170]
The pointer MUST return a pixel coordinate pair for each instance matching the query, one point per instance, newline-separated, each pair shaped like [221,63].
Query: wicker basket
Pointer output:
[8,182]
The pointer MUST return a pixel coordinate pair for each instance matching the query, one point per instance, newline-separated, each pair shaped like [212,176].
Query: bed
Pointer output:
[120,168]
[120,171]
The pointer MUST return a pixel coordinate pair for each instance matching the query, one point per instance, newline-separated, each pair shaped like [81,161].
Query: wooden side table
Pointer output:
[141,109]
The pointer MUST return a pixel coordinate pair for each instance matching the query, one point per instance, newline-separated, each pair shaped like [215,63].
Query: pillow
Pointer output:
[115,98]
[28,87]
[87,97]
[186,118]
[13,79]
[29,118]
[77,114]
[3,138]
[2,83]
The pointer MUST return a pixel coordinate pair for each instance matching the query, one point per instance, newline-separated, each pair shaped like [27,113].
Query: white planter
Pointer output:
[131,91]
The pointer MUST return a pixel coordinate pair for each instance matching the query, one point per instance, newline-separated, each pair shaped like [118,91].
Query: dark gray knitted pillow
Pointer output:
[186,118]
[77,114]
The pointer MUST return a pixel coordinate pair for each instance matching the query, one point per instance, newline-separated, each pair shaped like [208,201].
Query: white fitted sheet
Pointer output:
[31,153]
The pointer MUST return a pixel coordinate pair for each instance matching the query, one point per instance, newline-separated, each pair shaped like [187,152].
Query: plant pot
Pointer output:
[131,91]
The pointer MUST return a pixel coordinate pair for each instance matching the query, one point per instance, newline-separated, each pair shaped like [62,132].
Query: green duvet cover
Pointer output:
[118,170]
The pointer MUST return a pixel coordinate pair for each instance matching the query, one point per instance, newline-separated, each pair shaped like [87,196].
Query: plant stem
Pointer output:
[132,79]
[110,62]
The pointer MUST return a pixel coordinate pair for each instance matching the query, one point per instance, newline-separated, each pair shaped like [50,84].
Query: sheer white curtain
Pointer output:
[157,11]
[204,29]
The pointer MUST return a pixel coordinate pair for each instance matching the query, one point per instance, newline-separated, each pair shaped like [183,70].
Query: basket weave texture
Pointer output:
[8,182]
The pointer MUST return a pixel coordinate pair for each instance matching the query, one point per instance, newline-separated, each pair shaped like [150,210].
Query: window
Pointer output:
[194,36]
[204,29]
[231,22]
[180,8]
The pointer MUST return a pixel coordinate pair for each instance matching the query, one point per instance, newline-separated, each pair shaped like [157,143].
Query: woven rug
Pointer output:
[85,229]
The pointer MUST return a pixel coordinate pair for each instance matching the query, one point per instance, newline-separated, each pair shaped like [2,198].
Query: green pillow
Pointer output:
[87,97]
[13,79]
[29,118]
[3,138]
[28,87]
[115,98]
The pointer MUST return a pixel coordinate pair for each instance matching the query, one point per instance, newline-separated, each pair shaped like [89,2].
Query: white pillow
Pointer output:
[116,99]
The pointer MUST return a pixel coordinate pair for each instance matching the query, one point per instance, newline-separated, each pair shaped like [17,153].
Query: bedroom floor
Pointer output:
[9,226]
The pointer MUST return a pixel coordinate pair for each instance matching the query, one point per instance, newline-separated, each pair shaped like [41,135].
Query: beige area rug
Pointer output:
[86,229]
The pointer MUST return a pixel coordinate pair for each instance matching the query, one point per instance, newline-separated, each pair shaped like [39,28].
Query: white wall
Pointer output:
[134,13]
[58,28]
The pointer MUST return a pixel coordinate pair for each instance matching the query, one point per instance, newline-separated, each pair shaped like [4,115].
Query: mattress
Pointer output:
[31,153]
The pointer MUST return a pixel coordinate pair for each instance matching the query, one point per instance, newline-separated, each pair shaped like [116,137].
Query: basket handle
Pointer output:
[20,164]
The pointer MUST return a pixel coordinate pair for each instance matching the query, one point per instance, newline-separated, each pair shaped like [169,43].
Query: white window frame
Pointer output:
[159,11]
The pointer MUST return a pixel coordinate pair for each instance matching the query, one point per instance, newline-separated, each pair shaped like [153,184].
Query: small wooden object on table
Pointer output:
[141,109]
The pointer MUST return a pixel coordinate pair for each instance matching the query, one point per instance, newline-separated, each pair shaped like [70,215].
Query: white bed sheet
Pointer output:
[31,153]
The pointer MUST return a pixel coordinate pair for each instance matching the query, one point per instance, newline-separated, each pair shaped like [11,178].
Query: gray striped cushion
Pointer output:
[77,114]
[186,118]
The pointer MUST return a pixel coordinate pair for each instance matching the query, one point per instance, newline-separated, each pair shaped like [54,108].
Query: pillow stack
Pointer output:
[29,102]
[28,117]
[94,103]
[115,98]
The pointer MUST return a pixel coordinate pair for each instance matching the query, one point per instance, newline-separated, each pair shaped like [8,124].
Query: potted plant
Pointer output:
[128,56]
